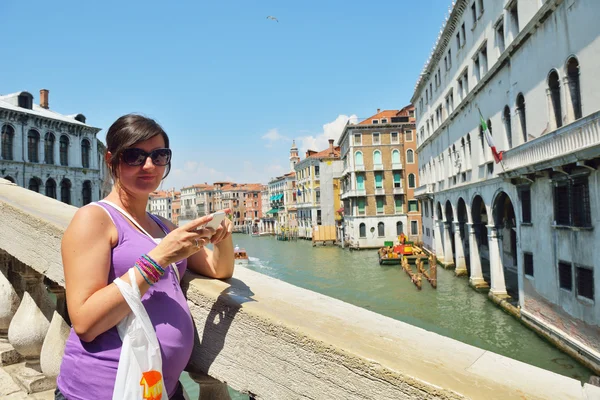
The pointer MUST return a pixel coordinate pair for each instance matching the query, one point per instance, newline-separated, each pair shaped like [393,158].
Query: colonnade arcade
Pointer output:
[477,237]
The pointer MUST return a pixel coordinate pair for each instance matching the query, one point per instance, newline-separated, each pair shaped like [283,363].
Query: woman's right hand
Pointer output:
[182,242]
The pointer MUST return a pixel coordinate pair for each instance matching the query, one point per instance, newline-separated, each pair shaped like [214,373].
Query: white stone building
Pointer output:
[50,153]
[161,203]
[526,227]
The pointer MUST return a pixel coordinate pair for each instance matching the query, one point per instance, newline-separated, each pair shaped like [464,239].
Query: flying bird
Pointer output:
[272,18]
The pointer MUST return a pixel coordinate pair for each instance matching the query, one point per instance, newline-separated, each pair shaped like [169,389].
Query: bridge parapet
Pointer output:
[260,335]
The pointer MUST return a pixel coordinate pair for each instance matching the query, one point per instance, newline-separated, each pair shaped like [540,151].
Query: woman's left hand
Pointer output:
[224,230]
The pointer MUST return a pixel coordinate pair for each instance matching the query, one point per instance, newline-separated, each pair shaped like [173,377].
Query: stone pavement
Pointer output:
[9,390]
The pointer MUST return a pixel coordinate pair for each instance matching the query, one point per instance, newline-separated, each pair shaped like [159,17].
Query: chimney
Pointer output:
[330,147]
[378,110]
[44,98]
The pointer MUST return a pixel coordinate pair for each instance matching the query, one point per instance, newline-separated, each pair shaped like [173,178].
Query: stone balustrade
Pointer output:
[568,144]
[423,191]
[260,335]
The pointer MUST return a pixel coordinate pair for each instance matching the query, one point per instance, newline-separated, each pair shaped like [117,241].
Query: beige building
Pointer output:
[380,164]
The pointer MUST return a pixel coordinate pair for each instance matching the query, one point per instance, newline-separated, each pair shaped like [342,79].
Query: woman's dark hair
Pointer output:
[127,131]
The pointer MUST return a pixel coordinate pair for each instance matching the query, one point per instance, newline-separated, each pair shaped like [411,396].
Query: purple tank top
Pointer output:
[89,370]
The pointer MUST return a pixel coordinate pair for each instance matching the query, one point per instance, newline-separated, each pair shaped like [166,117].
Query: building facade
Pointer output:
[374,187]
[50,153]
[524,227]
[316,203]
[161,203]
[253,206]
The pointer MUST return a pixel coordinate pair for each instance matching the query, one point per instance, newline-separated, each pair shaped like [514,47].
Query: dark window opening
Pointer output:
[34,184]
[362,230]
[33,141]
[554,85]
[8,135]
[64,150]
[86,192]
[49,148]
[572,202]
[51,188]
[585,282]
[574,88]
[381,229]
[85,154]
[521,115]
[528,263]
[565,275]
[525,195]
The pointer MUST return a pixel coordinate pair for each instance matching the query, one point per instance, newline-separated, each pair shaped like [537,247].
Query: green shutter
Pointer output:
[378,180]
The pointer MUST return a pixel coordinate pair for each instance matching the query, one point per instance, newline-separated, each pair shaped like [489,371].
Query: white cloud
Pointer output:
[331,130]
[193,172]
[273,136]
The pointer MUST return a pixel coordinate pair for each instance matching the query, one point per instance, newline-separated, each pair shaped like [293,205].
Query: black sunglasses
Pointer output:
[136,157]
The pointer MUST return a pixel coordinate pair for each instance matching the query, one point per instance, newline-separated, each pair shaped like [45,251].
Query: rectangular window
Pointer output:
[525,196]
[428,233]
[565,275]
[361,206]
[384,121]
[395,137]
[480,7]
[413,206]
[317,172]
[458,40]
[466,82]
[449,58]
[398,204]
[483,60]
[572,202]
[378,180]
[464,34]
[357,139]
[397,181]
[414,228]
[528,263]
[490,169]
[376,138]
[514,16]
[375,121]
[476,68]
[460,89]
[585,282]
[408,136]
[474,13]
[500,36]
[379,205]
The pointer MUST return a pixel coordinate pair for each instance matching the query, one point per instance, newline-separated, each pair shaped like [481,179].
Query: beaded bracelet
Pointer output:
[150,270]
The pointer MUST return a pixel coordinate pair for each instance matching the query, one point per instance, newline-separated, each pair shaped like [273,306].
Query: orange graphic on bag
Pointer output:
[152,383]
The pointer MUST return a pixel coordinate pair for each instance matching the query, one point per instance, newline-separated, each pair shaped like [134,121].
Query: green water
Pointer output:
[454,309]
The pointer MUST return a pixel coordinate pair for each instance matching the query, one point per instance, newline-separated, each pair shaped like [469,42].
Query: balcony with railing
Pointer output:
[578,141]
[379,191]
[398,190]
[359,168]
[295,331]
[396,166]
[423,190]
[378,167]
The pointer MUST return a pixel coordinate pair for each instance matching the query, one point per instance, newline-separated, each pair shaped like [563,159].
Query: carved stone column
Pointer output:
[448,258]
[27,332]
[476,279]
[210,388]
[9,303]
[439,236]
[54,344]
[459,251]
[496,269]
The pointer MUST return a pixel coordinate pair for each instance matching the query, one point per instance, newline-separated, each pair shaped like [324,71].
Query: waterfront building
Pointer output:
[378,179]
[253,206]
[50,153]
[176,208]
[524,227]
[316,202]
[267,220]
[196,201]
[160,203]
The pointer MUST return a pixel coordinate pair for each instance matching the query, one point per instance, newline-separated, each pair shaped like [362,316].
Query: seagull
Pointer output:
[272,18]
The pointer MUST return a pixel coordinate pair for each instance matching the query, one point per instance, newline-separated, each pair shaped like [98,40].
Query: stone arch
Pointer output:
[479,216]
[9,178]
[449,228]
[35,184]
[505,222]
[462,217]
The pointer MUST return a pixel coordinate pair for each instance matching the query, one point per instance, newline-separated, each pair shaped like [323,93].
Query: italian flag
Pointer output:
[490,141]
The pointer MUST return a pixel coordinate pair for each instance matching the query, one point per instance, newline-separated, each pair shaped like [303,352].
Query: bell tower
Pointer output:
[294,159]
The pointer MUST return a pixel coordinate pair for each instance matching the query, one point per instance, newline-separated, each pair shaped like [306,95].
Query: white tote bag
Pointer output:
[139,375]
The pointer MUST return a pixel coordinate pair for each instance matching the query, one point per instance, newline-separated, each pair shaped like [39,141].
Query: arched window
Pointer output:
[8,136]
[399,228]
[574,88]
[362,230]
[410,156]
[49,148]
[51,188]
[9,178]
[521,114]
[64,150]
[381,229]
[33,143]
[554,86]
[34,184]
[377,157]
[65,191]
[358,158]
[395,156]
[469,142]
[85,153]
[86,192]
[411,181]
[507,126]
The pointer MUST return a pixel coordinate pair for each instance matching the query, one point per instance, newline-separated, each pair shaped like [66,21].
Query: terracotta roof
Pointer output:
[404,112]
[326,153]
[293,173]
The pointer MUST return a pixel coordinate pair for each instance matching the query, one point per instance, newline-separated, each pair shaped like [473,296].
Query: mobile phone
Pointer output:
[216,221]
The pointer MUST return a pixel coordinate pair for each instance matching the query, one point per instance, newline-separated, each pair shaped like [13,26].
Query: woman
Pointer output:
[101,244]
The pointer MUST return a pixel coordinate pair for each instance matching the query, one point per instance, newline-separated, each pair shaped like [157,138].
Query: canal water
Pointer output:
[453,309]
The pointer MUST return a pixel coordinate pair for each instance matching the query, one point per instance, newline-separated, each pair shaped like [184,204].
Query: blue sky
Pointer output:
[231,87]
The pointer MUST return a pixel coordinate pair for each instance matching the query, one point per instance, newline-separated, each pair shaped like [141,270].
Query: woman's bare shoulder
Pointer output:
[92,221]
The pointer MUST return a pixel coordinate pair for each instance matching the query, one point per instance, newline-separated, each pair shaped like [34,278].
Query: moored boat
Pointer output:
[241,257]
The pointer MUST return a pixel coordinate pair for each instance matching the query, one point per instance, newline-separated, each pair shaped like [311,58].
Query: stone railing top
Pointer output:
[277,340]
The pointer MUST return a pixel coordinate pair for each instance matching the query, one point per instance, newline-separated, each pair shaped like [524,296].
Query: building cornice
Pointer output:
[46,123]
[504,58]
[374,127]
